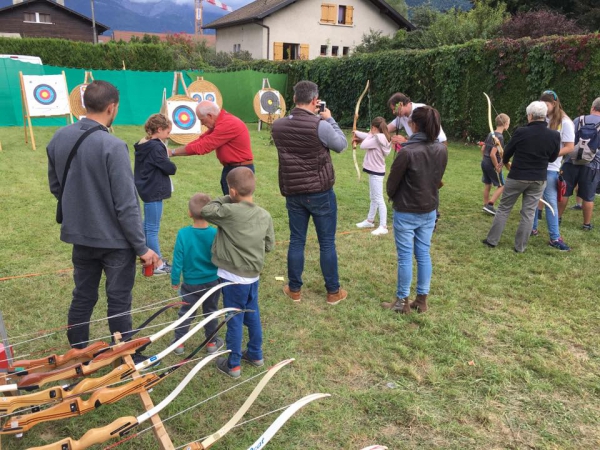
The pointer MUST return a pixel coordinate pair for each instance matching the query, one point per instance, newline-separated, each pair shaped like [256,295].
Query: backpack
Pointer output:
[587,141]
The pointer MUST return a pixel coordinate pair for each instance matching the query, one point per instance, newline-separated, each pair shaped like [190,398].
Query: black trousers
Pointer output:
[119,267]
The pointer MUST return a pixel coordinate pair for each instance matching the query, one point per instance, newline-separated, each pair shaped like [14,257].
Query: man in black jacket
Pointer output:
[533,147]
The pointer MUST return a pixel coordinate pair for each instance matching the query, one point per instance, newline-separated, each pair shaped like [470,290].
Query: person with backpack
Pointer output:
[582,166]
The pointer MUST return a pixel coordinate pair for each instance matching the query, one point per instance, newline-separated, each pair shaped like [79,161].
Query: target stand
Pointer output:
[43,96]
[269,104]
[178,78]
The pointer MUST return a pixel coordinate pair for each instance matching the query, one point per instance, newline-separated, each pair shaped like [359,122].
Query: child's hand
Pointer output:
[175,286]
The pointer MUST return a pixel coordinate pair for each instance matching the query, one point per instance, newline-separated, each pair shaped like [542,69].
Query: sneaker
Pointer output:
[540,213]
[379,231]
[587,227]
[252,362]
[485,241]
[336,297]
[560,220]
[534,232]
[489,209]
[576,207]
[215,345]
[365,224]
[140,358]
[294,295]
[179,349]
[223,366]
[560,245]
[164,269]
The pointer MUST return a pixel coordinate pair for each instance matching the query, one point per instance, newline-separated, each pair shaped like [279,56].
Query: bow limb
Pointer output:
[356,109]
[123,425]
[210,440]
[283,418]
[375,447]
[493,134]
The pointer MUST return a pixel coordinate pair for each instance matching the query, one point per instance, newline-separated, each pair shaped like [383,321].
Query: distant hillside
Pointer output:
[163,16]
[442,5]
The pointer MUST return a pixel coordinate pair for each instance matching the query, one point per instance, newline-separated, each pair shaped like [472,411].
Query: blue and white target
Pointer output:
[183,117]
[210,97]
[44,94]
[197,96]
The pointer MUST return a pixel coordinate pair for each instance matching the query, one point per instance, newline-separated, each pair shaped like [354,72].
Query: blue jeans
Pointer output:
[551,196]
[413,232]
[243,296]
[226,170]
[88,264]
[152,215]
[322,207]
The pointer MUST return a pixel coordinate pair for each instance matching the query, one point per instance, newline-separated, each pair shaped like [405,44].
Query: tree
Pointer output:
[399,6]
[539,23]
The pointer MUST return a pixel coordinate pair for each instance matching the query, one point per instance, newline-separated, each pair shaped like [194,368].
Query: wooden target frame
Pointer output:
[27,113]
[202,85]
[183,139]
[75,98]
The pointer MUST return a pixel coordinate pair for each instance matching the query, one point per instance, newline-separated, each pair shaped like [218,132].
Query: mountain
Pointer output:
[442,5]
[163,16]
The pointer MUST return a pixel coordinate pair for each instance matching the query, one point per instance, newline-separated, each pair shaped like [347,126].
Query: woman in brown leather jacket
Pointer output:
[413,184]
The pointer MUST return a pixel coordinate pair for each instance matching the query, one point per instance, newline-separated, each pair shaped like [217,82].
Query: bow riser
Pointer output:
[73,356]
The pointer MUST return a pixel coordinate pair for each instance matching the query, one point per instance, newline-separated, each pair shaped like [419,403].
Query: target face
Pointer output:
[44,94]
[210,97]
[183,117]
[269,102]
[197,96]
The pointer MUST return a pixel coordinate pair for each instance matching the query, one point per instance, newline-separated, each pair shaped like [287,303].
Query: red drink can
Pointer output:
[149,270]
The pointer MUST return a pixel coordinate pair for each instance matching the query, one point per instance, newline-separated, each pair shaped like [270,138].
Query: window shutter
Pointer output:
[277,51]
[303,51]
[328,13]
[349,14]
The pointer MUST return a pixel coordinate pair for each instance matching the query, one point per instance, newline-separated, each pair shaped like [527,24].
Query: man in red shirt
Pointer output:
[226,134]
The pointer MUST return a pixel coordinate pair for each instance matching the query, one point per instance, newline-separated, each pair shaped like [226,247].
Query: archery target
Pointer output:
[46,95]
[200,96]
[183,116]
[269,102]
[197,96]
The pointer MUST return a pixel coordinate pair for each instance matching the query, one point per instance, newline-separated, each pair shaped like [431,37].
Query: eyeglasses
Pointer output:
[552,93]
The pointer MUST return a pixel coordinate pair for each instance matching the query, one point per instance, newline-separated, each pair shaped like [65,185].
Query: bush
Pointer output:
[535,24]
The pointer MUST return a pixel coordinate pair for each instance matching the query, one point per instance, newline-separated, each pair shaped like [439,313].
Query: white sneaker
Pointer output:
[379,231]
[365,224]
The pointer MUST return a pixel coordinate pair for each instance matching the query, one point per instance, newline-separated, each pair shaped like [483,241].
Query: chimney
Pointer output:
[17,1]
[61,2]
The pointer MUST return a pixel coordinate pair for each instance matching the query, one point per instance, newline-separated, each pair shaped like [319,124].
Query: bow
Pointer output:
[354,128]
[35,380]
[76,406]
[210,440]
[124,425]
[283,418]
[375,447]
[501,150]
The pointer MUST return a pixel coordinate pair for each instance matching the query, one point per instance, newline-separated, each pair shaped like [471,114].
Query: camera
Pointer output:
[322,106]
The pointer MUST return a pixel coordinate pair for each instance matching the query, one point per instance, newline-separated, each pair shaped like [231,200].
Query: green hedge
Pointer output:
[452,79]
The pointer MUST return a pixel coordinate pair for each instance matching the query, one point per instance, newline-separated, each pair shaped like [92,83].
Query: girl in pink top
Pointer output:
[377,146]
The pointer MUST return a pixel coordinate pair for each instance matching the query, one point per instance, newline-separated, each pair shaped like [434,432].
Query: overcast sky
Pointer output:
[235,4]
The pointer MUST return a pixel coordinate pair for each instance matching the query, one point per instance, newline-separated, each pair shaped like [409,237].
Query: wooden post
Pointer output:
[177,77]
[158,428]
[265,84]
[26,116]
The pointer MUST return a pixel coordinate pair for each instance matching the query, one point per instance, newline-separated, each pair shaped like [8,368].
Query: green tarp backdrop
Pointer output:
[141,92]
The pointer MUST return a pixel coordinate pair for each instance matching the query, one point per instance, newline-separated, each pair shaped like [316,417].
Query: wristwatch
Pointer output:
[173,152]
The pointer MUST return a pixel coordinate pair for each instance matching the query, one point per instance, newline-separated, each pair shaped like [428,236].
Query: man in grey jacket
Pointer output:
[101,214]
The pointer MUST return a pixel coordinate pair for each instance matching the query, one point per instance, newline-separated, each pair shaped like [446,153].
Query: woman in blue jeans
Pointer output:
[151,175]
[413,185]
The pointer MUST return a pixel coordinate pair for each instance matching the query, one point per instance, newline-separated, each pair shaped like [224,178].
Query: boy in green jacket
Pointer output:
[245,233]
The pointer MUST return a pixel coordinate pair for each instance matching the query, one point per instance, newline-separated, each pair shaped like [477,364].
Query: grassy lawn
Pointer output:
[507,357]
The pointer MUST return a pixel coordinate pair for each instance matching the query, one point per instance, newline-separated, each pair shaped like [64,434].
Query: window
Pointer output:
[345,15]
[341,14]
[334,50]
[345,51]
[333,14]
[284,51]
[323,50]
[37,18]
[237,48]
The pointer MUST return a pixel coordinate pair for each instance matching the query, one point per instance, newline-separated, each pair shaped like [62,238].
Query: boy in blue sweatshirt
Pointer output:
[192,259]
[245,234]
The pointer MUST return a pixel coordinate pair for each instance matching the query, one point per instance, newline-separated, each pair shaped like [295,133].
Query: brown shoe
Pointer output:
[294,295]
[336,297]
[401,305]
[392,304]
[420,304]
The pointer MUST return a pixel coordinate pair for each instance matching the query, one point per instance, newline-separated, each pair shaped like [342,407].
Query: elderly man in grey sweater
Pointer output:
[101,214]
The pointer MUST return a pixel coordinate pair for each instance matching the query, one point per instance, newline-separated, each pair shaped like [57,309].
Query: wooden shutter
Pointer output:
[277,51]
[349,14]
[328,13]
[303,51]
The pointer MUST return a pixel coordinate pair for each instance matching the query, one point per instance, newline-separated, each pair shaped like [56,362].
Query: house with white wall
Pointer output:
[304,29]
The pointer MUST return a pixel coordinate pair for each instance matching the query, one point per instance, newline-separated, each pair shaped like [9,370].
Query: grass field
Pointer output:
[507,357]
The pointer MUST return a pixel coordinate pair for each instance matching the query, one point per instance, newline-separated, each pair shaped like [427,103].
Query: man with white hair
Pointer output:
[532,147]
[226,134]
